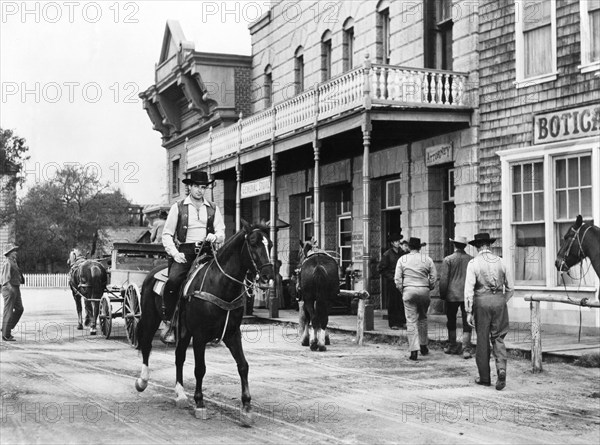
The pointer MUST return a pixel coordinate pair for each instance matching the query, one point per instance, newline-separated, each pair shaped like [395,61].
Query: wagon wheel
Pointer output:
[131,311]
[105,316]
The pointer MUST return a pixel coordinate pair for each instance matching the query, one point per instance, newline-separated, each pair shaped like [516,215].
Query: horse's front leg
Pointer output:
[94,309]
[77,299]
[303,324]
[181,399]
[234,343]
[199,372]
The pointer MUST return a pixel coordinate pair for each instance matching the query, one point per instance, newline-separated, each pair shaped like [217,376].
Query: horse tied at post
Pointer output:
[210,307]
[318,286]
[581,240]
[87,280]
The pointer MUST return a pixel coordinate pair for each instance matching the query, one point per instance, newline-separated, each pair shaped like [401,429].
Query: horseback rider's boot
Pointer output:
[167,336]
[466,343]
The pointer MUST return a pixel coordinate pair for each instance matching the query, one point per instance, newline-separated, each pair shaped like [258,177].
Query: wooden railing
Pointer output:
[46,280]
[368,86]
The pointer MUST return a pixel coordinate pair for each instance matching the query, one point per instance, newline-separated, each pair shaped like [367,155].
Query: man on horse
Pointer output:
[192,225]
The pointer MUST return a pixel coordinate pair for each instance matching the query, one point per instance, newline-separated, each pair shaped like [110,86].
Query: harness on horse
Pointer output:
[228,306]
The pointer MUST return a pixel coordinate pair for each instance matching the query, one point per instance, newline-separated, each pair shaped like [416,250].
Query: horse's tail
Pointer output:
[98,278]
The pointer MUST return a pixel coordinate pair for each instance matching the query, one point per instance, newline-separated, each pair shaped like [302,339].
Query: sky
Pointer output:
[71,72]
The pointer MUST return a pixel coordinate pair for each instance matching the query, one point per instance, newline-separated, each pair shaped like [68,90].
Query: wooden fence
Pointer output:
[46,280]
[536,321]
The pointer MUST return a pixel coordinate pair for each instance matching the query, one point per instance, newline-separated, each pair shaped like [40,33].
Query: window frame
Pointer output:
[326,56]
[299,70]
[386,202]
[384,33]
[521,81]
[587,65]
[348,41]
[548,154]
[176,176]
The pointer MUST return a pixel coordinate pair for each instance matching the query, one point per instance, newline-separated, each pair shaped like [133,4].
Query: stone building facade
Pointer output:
[373,117]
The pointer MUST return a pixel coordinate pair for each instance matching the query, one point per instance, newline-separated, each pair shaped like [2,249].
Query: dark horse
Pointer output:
[212,309]
[319,285]
[87,279]
[581,240]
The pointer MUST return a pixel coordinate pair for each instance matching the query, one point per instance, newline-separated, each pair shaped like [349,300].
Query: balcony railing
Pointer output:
[375,86]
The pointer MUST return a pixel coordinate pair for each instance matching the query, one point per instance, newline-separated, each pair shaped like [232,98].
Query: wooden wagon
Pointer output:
[130,263]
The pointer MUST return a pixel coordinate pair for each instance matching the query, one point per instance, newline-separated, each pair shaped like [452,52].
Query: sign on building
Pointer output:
[256,187]
[438,154]
[568,124]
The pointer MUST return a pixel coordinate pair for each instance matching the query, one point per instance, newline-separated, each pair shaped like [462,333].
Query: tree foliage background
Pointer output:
[13,154]
[66,211]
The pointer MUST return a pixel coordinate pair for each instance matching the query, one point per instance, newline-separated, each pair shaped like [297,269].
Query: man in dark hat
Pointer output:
[387,268]
[11,279]
[193,223]
[415,276]
[488,286]
[452,291]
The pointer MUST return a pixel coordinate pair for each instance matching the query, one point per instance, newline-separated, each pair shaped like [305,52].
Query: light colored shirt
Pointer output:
[415,269]
[487,275]
[196,225]
[157,229]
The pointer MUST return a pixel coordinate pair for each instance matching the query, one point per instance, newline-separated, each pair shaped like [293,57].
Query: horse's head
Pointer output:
[74,255]
[570,252]
[259,247]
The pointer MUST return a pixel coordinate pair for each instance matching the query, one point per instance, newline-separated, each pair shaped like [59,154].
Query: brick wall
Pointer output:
[243,90]
[505,111]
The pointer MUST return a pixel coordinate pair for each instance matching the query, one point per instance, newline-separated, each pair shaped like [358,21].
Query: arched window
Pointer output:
[348,44]
[383,50]
[268,86]
[299,69]
[326,56]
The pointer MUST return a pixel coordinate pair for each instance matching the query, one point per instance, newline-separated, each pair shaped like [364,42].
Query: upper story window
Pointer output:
[268,87]
[326,56]
[175,183]
[590,35]
[299,70]
[348,44]
[438,34]
[383,32]
[392,194]
[535,41]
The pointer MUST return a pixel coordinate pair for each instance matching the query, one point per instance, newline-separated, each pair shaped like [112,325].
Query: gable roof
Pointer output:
[172,40]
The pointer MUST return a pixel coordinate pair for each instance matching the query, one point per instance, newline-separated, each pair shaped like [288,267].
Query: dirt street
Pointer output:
[59,385]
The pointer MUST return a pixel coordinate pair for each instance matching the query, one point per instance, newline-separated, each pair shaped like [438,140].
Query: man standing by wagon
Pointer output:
[11,279]
[387,268]
[488,287]
[192,223]
[452,291]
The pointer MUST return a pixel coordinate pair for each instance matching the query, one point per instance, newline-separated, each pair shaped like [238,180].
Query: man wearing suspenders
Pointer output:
[192,223]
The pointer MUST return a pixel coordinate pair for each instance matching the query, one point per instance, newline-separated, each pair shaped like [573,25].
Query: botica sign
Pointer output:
[257,187]
[438,154]
[562,125]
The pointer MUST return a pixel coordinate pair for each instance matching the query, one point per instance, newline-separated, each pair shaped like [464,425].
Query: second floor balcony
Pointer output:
[371,87]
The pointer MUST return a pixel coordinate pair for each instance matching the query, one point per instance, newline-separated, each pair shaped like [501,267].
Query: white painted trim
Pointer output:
[589,68]
[521,81]
[547,153]
[585,39]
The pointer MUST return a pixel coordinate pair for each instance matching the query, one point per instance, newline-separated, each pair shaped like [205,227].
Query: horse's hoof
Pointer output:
[182,402]
[314,346]
[304,342]
[327,342]
[79,327]
[87,321]
[92,331]
[322,348]
[200,413]
[141,384]
[246,417]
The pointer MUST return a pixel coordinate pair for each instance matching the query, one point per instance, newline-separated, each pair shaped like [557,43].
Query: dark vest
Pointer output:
[182,220]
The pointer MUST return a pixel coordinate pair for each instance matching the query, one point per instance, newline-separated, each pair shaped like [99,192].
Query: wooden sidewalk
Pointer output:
[554,344]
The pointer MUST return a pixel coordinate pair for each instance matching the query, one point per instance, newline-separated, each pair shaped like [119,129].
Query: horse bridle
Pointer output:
[257,268]
[580,254]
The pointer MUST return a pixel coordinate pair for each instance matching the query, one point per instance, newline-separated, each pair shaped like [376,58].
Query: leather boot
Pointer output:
[424,350]
[466,345]
[413,355]
[451,348]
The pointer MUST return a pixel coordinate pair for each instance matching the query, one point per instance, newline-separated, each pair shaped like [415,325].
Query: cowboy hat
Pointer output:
[415,243]
[459,240]
[198,177]
[481,238]
[10,248]
[395,237]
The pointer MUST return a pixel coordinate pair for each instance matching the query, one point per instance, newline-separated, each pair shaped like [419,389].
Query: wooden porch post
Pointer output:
[238,180]
[317,191]
[273,296]
[366,202]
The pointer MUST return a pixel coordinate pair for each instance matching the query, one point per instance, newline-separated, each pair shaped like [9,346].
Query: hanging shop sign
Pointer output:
[568,124]
[256,187]
[438,154]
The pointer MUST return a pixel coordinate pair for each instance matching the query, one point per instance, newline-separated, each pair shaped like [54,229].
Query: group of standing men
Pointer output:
[480,287]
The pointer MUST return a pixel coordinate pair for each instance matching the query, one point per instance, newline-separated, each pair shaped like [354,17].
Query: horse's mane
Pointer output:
[227,250]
